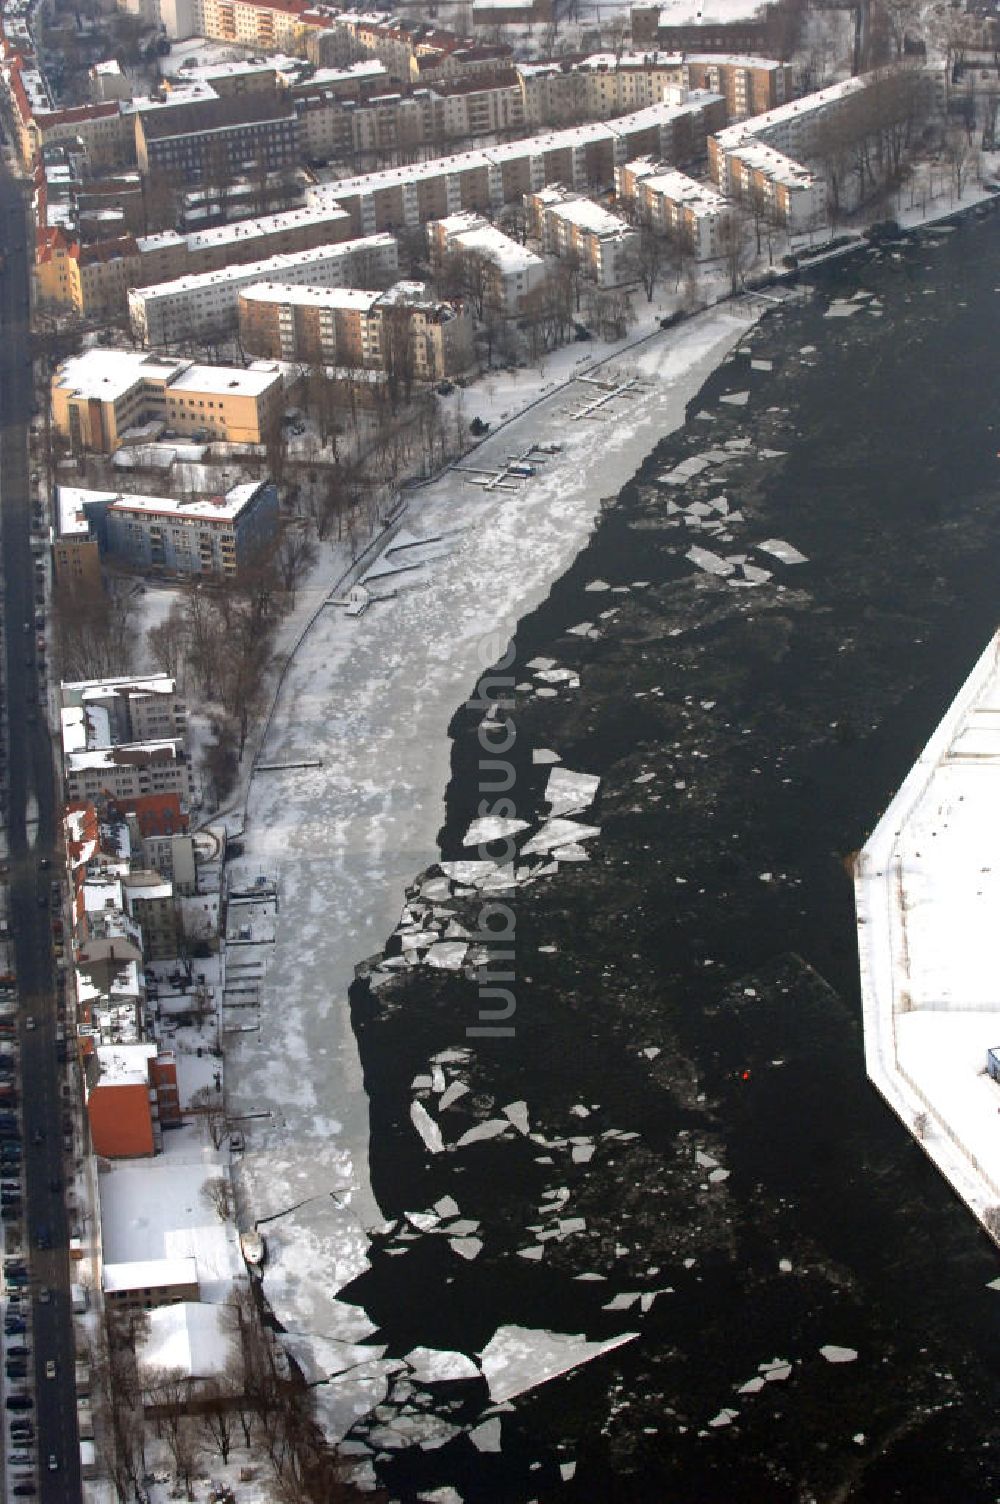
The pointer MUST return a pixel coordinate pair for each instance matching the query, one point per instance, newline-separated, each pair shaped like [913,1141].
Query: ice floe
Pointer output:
[567,792]
[782,551]
[519,1358]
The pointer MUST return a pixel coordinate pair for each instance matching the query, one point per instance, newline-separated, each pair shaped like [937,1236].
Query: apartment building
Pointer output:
[218,535]
[262,25]
[350,83]
[513,272]
[131,1092]
[169,254]
[749,85]
[761,160]
[93,279]
[97,397]
[100,131]
[674,204]
[149,901]
[99,712]
[89,280]
[349,327]
[569,225]
[599,86]
[778,188]
[697,27]
[125,771]
[169,311]
[583,158]
[388,125]
[76,557]
[211,136]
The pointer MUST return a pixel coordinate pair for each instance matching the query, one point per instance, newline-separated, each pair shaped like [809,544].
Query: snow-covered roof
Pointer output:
[368,67]
[587,215]
[189,1338]
[211,509]
[774,164]
[70,517]
[104,374]
[149,1274]
[246,229]
[611,62]
[708,12]
[735,60]
[124,753]
[795,109]
[223,381]
[154,1210]
[99,689]
[360,300]
[125,1064]
[681,189]
[255,271]
[493,245]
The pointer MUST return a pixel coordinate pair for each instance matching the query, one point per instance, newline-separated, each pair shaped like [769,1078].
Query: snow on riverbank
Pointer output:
[364,711]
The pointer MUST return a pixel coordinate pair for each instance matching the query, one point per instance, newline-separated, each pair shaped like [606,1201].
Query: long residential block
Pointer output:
[186,307]
[583,158]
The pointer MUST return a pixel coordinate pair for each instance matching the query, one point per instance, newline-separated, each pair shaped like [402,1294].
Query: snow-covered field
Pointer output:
[364,710]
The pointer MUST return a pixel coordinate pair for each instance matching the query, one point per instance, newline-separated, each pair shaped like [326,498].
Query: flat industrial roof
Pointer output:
[927,890]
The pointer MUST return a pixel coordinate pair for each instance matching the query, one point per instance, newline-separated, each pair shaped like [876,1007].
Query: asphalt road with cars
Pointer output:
[33,864]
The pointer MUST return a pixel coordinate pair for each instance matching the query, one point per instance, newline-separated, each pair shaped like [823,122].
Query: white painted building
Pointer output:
[186,306]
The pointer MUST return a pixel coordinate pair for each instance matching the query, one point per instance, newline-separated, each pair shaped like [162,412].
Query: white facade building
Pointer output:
[171,311]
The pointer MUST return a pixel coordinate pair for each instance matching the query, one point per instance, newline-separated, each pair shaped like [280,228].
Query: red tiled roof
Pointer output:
[157,814]
[105,250]
[77,115]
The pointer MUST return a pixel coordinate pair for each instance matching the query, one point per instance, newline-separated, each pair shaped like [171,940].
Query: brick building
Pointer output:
[569,225]
[674,204]
[349,327]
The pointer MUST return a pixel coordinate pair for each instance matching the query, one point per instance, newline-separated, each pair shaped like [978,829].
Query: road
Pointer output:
[30,787]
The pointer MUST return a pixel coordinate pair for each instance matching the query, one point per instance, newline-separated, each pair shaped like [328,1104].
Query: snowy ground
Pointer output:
[367,703]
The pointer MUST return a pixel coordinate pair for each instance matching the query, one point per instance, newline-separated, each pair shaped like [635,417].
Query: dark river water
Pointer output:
[687,1001]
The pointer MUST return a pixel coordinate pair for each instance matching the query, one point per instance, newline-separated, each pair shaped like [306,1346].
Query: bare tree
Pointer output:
[206,1103]
[962,157]
[902,18]
[217,1414]
[184,1446]
[218,1193]
[734,245]
[92,634]
[294,555]
[650,255]
[167,642]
